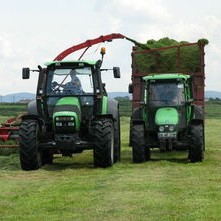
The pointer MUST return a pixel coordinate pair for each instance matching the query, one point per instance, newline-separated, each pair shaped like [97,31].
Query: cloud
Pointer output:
[180,29]
[29,40]
[5,46]
[129,16]
[152,10]
[13,55]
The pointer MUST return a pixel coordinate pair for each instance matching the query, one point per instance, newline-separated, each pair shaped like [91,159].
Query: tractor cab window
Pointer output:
[63,82]
[70,81]
[163,94]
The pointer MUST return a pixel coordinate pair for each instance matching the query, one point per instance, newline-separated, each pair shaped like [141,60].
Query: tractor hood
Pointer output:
[67,114]
[166,115]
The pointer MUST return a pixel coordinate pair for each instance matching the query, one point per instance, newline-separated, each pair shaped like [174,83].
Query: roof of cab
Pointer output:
[88,62]
[166,76]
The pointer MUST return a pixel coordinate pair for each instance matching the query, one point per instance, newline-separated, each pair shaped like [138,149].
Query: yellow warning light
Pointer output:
[103,50]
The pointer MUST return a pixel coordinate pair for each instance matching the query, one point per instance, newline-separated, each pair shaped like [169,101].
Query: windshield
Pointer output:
[70,81]
[163,94]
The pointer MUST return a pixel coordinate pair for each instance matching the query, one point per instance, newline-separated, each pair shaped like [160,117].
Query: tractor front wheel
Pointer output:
[104,143]
[196,151]
[30,156]
[140,155]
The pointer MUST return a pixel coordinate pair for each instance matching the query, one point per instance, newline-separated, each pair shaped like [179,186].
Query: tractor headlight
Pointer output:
[171,128]
[161,128]
[64,118]
[64,121]
[58,124]
[166,128]
[71,124]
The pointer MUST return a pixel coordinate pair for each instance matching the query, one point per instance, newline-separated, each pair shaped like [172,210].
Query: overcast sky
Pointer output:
[33,32]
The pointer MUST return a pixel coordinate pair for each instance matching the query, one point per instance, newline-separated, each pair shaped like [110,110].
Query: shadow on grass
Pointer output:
[59,166]
[172,160]
[173,157]
[85,160]
[78,161]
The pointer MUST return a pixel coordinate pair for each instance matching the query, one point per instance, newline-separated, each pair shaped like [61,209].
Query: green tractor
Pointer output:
[167,117]
[68,117]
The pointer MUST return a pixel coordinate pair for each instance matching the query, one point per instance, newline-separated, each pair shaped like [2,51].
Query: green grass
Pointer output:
[213,109]
[12,109]
[166,188]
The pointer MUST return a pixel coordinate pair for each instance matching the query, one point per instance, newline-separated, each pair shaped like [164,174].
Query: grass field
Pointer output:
[166,188]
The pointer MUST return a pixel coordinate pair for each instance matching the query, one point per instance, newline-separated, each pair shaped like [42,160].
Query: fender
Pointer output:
[197,114]
[113,108]
[137,116]
[32,108]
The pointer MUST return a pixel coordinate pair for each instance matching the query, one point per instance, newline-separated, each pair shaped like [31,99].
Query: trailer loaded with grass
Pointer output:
[168,99]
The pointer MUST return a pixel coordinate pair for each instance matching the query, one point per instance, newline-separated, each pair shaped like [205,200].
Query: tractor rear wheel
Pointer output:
[104,139]
[30,156]
[140,155]
[196,151]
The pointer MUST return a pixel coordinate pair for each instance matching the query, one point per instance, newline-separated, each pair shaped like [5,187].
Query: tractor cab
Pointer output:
[71,87]
[71,100]
[167,107]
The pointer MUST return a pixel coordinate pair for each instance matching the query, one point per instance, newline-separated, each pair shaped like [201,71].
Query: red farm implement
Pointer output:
[9,131]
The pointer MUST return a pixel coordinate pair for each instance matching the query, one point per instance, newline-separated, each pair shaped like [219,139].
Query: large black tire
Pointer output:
[104,143]
[138,143]
[30,156]
[136,115]
[196,151]
[117,140]
[130,134]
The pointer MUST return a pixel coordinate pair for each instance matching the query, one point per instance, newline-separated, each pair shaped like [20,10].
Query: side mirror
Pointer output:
[25,73]
[116,71]
[130,88]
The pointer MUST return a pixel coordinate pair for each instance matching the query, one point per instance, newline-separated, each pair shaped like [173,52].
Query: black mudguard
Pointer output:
[32,108]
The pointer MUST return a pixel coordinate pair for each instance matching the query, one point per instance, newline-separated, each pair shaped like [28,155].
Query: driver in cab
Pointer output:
[74,86]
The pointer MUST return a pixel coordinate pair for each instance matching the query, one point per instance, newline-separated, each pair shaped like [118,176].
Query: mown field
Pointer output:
[168,187]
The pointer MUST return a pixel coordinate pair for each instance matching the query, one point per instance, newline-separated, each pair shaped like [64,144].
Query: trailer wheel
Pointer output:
[117,140]
[104,140]
[138,143]
[196,151]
